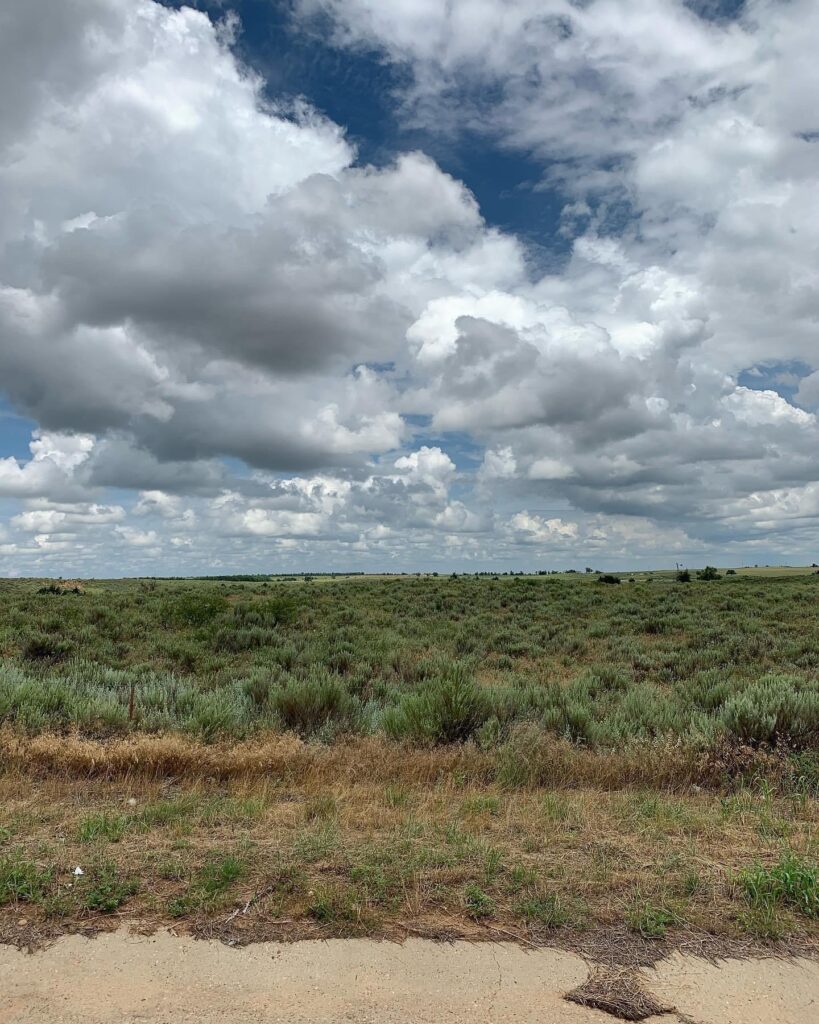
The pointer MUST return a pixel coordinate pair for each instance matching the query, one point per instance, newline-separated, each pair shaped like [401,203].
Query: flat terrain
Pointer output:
[618,768]
[121,979]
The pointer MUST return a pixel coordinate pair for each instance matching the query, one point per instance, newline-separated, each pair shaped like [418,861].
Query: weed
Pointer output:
[331,907]
[209,884]
[219,874]
[22,879]
[107,890]
[396,796]
[651,920]
[478,904]
[545,909]
[480,804]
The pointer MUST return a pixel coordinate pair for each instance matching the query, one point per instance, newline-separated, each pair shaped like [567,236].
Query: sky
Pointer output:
[406,285]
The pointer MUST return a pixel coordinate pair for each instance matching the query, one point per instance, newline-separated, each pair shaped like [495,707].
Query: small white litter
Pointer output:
[78,871]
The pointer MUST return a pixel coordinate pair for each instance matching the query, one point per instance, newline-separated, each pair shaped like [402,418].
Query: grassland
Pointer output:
[547,758]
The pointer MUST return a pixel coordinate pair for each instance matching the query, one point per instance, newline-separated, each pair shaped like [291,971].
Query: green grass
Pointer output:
[793,882]
[214,879]
[651,920]
[545,909]
[101,826]
[22,880]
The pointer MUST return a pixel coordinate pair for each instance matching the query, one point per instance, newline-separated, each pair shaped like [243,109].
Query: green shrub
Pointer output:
[234,640]
[219,713]
[775,709]
[307,705]
[267,612]
[42,647]
[258,689]
[448,709]
[193,609]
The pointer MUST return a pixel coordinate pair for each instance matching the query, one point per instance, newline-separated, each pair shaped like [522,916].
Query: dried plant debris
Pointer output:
[618,993]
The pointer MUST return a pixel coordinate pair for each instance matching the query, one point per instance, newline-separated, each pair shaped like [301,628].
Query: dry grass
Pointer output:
[282,839]
[618,993]
[550,762]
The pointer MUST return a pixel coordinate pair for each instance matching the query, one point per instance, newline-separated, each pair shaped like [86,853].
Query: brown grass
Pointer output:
[351,839]
[541,762]
[618,993]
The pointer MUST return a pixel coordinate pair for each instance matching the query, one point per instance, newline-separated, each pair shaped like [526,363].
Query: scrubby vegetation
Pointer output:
[430,660]
[528,753]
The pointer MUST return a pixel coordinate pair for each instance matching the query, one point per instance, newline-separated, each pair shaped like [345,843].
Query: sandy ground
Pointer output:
[163,979]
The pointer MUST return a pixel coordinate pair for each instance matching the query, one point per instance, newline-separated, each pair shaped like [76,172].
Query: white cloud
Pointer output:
[206,300]
[67,518]
[534,529]
[54,459]
[137,538]
[765,407]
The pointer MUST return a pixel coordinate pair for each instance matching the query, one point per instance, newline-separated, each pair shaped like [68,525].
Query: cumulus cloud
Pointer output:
[242,345]
[54,458]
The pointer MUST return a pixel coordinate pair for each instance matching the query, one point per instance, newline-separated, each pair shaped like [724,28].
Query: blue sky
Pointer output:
[358,89]
[328,284]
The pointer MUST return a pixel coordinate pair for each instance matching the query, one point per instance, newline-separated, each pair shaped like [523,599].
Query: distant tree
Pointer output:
[708,573]
[683,576]
[730,572]
[608,578]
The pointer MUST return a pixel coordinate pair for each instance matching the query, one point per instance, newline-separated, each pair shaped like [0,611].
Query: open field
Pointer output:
[546,759]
